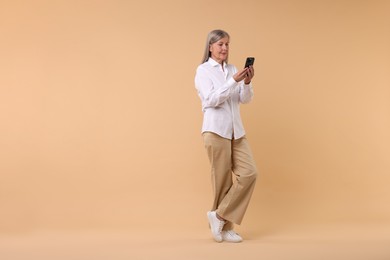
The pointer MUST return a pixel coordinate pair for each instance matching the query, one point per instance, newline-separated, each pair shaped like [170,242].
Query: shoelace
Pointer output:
[232,233]
[221,224]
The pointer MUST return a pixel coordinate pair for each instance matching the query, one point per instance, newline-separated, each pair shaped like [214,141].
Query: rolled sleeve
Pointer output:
[246,93]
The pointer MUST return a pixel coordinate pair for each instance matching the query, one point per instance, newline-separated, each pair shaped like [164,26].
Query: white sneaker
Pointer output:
[231,236]
[216,225]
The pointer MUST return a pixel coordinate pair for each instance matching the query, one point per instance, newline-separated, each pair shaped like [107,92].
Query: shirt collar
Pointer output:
[214,63]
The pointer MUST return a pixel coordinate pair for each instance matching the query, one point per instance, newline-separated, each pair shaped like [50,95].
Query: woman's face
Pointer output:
[220,50]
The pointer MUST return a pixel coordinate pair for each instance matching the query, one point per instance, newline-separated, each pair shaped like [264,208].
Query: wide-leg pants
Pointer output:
[233,176]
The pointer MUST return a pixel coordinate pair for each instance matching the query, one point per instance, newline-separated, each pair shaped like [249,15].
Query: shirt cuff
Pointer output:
[243,86]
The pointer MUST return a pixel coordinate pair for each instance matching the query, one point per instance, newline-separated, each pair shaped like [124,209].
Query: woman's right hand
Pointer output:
[240,75]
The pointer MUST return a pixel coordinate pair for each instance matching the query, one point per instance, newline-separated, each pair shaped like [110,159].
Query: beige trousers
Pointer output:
[233,176]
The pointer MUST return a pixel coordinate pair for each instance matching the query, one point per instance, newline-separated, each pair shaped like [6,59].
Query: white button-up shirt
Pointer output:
[221,96]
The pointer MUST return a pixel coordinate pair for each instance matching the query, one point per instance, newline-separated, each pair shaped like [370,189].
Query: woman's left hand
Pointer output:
[249,75]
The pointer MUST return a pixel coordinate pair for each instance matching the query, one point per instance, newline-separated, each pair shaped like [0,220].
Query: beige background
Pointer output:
[100,121]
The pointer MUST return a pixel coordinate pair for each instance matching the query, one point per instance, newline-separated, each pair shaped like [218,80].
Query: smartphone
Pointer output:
[249,62]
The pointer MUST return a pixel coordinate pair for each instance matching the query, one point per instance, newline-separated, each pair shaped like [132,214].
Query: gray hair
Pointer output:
[213,37]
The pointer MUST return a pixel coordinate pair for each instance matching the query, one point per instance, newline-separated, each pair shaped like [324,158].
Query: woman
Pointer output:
[221,89]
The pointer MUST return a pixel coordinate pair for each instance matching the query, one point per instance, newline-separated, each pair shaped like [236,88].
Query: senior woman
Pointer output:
[222,88]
